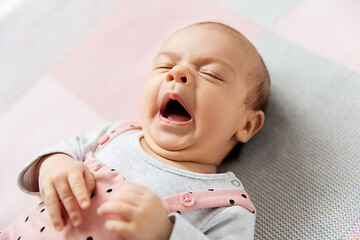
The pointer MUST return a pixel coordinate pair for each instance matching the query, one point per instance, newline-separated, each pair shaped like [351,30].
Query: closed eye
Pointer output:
[164,67]
[212,75]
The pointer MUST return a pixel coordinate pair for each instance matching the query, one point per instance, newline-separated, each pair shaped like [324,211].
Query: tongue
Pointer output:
[177,117]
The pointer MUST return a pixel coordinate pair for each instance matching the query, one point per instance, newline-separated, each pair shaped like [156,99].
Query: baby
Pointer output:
[207,91]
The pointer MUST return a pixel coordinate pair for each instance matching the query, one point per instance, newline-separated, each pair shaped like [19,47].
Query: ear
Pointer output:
[253,124]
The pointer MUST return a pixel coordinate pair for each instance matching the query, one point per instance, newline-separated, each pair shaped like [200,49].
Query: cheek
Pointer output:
[151,86]
[148,97]
[215,96]
[212,105]
[218,109]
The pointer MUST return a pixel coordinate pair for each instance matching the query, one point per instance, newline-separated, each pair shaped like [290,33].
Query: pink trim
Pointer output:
[106,138]
[188,201]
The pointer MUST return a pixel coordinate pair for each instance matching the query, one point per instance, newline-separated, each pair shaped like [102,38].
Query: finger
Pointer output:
[79,189]
[69,202]
[129,197]
[53,205]
[89,179]
[129,187]
[121,228]
[121,209]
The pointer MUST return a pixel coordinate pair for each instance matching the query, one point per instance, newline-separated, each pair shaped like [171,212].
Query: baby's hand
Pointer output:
[142,213]
[60,176]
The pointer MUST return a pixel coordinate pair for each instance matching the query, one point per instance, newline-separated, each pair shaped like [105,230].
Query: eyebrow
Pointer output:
[204,60]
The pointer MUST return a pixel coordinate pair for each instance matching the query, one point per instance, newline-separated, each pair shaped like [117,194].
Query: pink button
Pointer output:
[187,199]
[103,139]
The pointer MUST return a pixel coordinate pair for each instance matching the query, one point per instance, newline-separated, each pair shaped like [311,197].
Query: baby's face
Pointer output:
[193,103]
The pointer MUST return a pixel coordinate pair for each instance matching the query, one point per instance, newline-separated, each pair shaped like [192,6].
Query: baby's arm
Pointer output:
[230,223]
[57,169]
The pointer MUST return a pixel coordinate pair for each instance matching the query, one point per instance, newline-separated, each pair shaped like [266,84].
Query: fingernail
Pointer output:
[76,222]
[99,212]
[85,204]
[58,228]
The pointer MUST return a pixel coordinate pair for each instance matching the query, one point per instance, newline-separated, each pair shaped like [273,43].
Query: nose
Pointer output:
[181,74]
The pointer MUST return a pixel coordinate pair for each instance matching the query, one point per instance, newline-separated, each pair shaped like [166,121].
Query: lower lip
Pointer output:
[173,123]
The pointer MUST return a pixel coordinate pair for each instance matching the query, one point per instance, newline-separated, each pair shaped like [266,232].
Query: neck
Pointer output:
[185,165]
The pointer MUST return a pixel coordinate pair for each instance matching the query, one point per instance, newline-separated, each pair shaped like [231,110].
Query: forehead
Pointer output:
[205,41]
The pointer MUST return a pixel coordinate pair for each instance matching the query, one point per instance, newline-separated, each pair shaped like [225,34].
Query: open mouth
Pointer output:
[172,111]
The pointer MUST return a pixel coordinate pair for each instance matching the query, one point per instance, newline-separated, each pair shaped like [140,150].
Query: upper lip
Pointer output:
[173,96]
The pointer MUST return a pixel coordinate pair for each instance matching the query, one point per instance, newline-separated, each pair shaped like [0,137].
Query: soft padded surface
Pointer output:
[60,68]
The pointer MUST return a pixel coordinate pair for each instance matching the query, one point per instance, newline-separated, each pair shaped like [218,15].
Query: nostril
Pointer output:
[184,79]
[170,77]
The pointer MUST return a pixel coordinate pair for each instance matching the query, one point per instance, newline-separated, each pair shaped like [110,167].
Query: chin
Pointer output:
[172,143]
[167,141]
